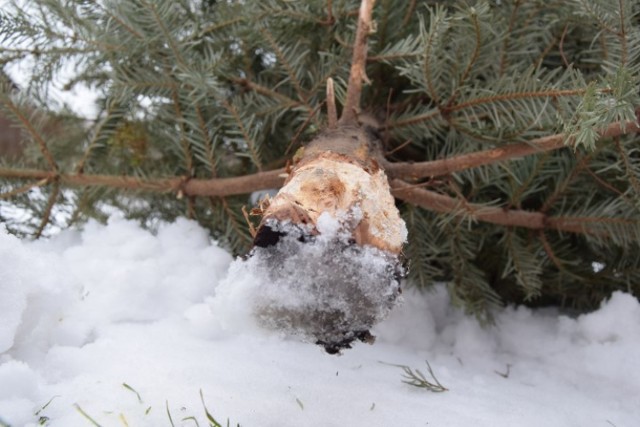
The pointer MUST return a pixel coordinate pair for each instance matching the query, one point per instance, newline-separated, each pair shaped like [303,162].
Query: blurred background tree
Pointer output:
[509,127]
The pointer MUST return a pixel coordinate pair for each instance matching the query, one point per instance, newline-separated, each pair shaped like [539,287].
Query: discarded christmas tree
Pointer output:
[508,131]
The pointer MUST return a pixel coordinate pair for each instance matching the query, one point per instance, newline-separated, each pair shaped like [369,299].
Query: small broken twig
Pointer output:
[504,374]
[417,379]
[357,74]
[332,114]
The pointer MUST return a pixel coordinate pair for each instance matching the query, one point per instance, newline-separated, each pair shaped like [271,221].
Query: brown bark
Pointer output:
[467,161]
[358,62]
[189,187]
[442,203]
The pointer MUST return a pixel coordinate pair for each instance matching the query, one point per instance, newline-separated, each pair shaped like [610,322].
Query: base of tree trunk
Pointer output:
[330,242]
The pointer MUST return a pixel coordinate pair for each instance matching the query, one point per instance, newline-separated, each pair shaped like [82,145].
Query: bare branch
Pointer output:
[358,62]
[471,160]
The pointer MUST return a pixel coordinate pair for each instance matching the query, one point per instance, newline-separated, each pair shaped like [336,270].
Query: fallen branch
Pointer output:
[472,160]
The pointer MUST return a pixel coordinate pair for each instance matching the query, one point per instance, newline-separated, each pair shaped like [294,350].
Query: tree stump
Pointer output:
[330,242]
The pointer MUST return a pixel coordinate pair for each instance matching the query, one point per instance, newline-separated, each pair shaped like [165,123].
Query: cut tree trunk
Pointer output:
[333,237]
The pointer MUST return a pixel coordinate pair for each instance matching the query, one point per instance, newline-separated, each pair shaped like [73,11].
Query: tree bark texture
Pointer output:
[339,171]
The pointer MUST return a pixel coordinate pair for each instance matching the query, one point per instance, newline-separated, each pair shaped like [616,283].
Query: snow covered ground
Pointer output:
[117,327]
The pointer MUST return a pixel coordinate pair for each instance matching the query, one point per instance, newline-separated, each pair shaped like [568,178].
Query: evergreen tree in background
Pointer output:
[509,127]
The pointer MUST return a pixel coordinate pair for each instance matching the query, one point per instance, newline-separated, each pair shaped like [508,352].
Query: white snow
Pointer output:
[320,287]
[90,318]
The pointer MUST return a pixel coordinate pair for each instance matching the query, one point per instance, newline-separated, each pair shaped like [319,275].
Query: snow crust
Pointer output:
[170,315]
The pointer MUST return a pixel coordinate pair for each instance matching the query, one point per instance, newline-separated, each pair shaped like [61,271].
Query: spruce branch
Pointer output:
[466,161]
[441,203]
[46,217]
[189,187]
[357,74]
[28,126]
[24,188]
[265,91]
[414,377]
[183,133]
[289,68]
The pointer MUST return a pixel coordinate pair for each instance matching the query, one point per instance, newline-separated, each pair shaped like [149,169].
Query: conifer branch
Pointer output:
[251,144]
[441,203]
[633,179]
[262,90]
[622,34]
[183,134]
[46,217]
[467,161]
[94,139]
[26,123]
[332,114]
[191,187]
[554,93]
[23,189]
[471,63]
[505,44]
[289,68]
[330,19]
[123,24]
[207,140]
[414,120]
[409,13]
[357,74]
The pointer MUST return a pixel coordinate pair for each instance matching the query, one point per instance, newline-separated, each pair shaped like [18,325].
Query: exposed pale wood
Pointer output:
[339,174]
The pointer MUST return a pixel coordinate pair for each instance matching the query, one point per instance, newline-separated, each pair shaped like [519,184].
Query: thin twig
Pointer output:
[330,18]
[26,123]
[46,217]
[94,139]
[332,115]
[416,378]
[399,147]
[188,155]
[505,44]
[24,189]
[301,129]
[358,62]
[561,46]
[622,34]
[409,13]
